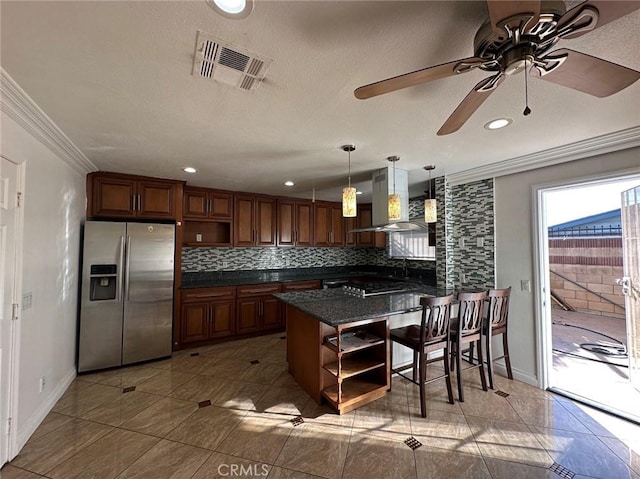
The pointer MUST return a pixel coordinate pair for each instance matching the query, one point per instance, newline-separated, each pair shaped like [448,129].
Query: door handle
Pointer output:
[127,266]
[625,282]
[120,276]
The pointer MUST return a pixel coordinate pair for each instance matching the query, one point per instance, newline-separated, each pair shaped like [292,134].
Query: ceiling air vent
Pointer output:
[220,61]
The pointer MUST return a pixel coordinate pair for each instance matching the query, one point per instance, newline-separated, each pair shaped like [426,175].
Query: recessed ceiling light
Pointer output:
[289,183]
[498,123]
[189,169]
[231,8]
[358,192]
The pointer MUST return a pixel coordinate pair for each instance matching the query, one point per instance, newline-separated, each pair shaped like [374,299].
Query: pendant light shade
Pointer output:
[393,203]
[349,206]
[430,207]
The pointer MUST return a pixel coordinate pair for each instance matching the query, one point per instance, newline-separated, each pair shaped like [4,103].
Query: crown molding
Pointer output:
[15,102]
[619,140]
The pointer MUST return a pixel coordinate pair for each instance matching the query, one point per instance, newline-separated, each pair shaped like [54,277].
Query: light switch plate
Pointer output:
[480,242]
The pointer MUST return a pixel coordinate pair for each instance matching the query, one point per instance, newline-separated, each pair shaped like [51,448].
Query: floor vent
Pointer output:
[296,421]
[502,393]
[129,389]
[217,60]
[413,443]
[562,471]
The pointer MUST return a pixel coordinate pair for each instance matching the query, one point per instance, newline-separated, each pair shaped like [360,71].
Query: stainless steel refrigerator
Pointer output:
[126,300]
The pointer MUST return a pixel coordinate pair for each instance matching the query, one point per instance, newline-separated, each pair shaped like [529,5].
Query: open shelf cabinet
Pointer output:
[356,364]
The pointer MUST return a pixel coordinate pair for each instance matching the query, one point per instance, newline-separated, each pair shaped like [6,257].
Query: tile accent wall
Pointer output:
[472,218]
[444,228]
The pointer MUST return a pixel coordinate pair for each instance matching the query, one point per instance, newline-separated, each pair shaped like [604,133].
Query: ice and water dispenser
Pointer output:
[104,279]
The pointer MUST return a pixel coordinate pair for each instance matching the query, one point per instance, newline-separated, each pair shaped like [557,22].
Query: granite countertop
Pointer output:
[208,279]
[336,306]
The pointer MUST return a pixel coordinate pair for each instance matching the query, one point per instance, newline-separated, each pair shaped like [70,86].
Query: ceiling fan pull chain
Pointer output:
[527,110]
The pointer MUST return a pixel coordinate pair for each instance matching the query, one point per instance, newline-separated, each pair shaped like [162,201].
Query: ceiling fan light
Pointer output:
[430,211]
[498,123]
[349,208]
[395,207]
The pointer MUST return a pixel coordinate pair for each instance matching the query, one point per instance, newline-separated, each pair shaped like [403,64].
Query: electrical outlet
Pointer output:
[27,300]
[525,285]
[42,383]
[225,264]
[463,277]
[199,238]
[480,242]
[461,242]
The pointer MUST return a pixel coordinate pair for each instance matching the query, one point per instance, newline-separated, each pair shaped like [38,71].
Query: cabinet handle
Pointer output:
[133,202]
[209,206]
[139,203]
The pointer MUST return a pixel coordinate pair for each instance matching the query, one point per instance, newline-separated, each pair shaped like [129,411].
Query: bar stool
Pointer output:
[467,329]
[496,324]
[431,335]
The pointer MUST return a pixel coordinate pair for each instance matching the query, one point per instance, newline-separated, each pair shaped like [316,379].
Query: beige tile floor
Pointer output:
[166,429]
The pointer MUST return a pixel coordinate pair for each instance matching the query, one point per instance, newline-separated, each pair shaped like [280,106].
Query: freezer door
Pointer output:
[148,293]
[100,329]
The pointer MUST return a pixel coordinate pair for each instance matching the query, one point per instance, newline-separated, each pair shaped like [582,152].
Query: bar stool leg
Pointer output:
[489,358]
[423,377]
[447,372]
[483,379]
[459,374]
[507,361]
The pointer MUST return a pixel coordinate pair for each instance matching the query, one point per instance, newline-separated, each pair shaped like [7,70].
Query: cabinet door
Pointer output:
[337,225]
[195,321]
[349,224]
[195,204]
[222,319]
[366,238]
[220,205]
[321,225]
[243,222]
[271,317]
[248,314]
[304,223]
[286,223]
[155,200]
[265,222]
[113,197]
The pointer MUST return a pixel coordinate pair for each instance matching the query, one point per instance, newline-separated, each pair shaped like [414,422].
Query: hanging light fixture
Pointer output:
[430,207]
[394,205]
[349,208]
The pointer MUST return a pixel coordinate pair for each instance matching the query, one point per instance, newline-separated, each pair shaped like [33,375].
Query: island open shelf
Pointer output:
[346,365]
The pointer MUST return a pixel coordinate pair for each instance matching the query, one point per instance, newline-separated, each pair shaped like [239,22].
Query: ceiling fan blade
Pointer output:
[587,74]
[470,104]
[500,10]
[608,11]
[416,78]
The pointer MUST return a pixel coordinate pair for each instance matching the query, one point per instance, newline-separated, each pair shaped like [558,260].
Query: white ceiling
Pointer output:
[115,76]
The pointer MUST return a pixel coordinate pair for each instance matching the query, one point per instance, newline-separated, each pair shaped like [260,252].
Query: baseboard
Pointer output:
[29,427]
[518,374]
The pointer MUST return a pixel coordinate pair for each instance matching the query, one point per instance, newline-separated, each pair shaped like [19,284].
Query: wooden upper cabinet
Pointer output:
[254,220]
[328,224]
[377,239]
[203,204]
[112,195]
[295,222]
[350,224]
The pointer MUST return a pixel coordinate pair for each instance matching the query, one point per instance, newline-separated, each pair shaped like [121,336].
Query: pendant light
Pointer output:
[430,208]
[394,205]
[349,208]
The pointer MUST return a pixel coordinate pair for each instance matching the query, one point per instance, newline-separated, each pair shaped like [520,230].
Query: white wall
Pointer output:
[54,205]
[515,255]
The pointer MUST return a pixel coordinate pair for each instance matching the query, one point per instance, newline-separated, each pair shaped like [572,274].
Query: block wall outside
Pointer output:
[591,263]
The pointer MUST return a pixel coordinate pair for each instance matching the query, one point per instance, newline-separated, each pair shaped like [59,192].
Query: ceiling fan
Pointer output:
[517,37]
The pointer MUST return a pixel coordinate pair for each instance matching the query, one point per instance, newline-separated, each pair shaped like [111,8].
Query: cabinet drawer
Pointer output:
[258,289]
[204,294]
[301,285]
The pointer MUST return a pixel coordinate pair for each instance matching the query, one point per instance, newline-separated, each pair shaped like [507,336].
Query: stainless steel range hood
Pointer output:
[383,186]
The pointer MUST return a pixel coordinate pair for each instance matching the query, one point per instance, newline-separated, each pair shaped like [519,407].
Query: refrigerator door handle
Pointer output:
[121,274]
[127,266]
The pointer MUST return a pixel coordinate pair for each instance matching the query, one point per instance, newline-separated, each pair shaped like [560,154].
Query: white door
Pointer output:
[631,280]
[8,301]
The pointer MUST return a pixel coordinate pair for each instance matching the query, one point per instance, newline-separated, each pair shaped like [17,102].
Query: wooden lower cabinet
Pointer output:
[207,313]
[257,309]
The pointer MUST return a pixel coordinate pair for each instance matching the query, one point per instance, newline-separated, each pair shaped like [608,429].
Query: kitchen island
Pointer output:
[338,346]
